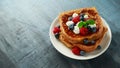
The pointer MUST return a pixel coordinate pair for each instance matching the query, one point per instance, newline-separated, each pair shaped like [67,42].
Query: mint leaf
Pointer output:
[80,25]
[84,24]
[91,22]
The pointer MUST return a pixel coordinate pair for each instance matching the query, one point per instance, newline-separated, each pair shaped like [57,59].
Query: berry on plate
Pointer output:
[76,50]
[56,30]
[99,47]
[57,35]
[82,53]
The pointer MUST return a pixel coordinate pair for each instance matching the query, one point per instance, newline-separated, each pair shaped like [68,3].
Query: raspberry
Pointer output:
[76,19]
[56,30]
[76,50]
[83,31]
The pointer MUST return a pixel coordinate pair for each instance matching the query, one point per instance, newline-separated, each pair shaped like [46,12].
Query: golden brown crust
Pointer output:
[70,39]
[86,48]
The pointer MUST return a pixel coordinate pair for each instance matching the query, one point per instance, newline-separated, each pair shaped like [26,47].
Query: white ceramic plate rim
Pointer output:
[69,54]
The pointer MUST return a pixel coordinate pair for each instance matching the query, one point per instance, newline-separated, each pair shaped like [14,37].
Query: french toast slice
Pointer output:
[86,48]
[72,37]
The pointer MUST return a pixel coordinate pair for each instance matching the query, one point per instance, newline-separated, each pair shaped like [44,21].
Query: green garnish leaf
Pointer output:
[91,22]
[81,24]
[84,24]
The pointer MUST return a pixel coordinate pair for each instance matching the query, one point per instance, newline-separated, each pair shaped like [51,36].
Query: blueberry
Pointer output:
[71,27]
[81,18]
[57,35]
[58,26]
[89,28]
[82,53]
[99,47]
[92,42]
[94,29]
[69,18]
[85,41]
[82,15]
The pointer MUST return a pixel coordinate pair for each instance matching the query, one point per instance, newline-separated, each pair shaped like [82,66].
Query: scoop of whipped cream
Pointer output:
[76,30]
[92,25]
[68,23]
[74,15]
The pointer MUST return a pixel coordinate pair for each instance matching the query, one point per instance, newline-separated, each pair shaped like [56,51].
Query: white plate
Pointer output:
[67,52]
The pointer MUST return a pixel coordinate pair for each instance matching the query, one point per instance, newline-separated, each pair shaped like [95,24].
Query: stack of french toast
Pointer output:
[82,28]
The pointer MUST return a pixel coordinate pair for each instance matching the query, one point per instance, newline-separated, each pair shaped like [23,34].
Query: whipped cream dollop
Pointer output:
[94,25]
[85,16]
[79,24]
[76,30]
[74,15]
[68,23]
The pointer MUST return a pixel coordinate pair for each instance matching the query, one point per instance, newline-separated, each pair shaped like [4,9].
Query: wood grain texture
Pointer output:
[24,33]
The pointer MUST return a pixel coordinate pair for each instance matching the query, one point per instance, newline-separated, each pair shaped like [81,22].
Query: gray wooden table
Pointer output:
[24,34]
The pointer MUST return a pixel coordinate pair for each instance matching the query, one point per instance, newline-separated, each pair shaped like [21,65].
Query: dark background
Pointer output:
[24,33]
